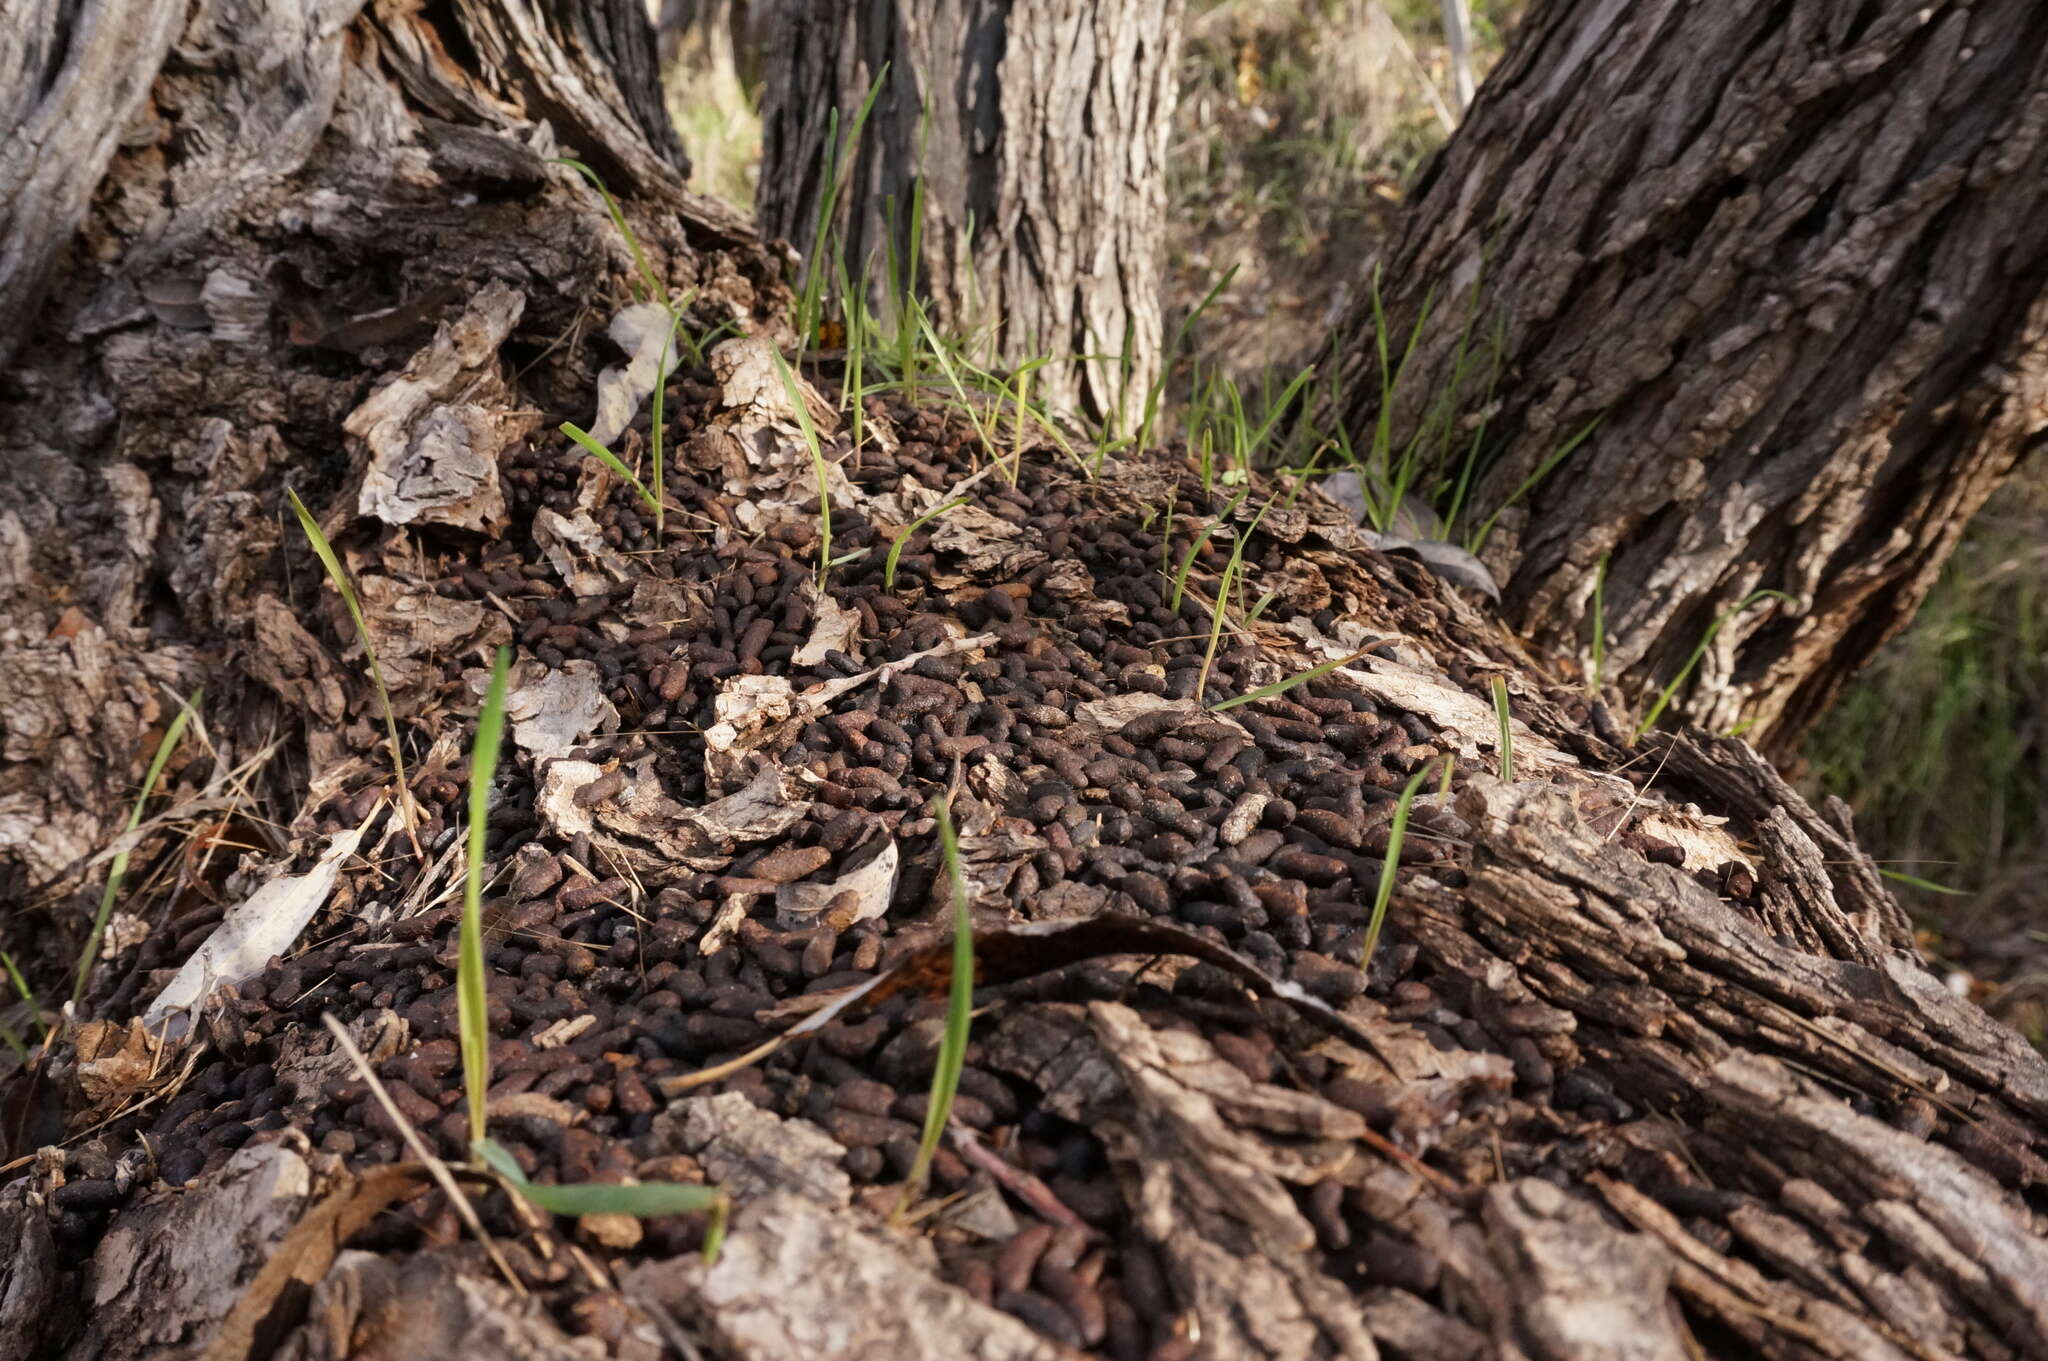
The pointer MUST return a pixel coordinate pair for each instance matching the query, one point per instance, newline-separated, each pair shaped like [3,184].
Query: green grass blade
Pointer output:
[1599,623]
[818,468]
[611,461]
[1396,833]
[1528,484]
[945,363]
[1180,578]
[24,991]
[325,552]
[1507,735]
[959,1012]
[472,1001]
[1168,359]
[896,548]
[611,205]
[1915,881]
[1275,410]
[644,1200]
[1700,650]
[119,869]
[1232,569]
[1281,687]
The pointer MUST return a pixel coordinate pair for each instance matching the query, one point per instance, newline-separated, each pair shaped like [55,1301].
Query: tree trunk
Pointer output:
[1643,1066]
[1790,255]
[221,232]
[1040,133]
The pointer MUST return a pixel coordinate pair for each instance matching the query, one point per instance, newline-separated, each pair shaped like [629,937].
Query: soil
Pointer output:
[715,817]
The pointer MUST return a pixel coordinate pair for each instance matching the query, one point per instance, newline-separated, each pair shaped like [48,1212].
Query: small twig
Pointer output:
[1015,1180]
[435,1167]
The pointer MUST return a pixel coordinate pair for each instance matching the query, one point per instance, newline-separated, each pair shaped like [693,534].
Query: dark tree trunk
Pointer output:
[1043,160]
[1791,255]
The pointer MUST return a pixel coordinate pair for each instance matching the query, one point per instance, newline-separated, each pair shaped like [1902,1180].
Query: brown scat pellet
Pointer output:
[1078,1298]
[1325,1210]
[975,1276]
[1331,827]
[754,639]
[865,1095]
[600,790]
[1147,727]
[790,863]
[1043,1315]
[585,893]
[1018,1258]
[1243,817]
[1296,863]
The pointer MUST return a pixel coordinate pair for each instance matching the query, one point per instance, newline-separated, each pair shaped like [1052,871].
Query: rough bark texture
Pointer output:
[232,256]
[1791,255]
[1044,163]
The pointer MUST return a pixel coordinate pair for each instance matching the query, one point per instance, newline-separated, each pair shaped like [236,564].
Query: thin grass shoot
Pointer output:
[1599,625]
[119,869]
[1507,732]
[819,468]
[642,1200]
[896,548]
[959,1013]
[22,990]
[1700,650]
[1397,831]
[1233,569]
[1281,687]
[407,812]
[611,461]
[472,1001]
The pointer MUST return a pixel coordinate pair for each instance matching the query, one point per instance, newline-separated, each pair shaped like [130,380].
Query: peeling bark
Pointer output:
[1791,256]
[239,220]
[1043,160]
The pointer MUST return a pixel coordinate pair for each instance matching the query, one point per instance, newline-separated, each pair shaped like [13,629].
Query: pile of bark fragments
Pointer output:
[1644,1065]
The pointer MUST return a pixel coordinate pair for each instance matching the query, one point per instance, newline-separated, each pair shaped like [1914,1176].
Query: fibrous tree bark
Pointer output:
[1039,131]
[221,227]
[1790,255]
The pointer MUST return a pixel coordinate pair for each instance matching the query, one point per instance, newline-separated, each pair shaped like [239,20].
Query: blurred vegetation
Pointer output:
[1937,746]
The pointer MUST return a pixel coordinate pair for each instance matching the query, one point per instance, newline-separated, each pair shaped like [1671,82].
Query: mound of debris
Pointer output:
[1644,1064]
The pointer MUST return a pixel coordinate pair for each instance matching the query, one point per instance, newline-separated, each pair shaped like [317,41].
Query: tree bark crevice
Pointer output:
[1040,134]
[1807,313]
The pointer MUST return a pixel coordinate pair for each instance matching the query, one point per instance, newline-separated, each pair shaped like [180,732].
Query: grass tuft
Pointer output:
[119,869]
[407,812]
[472,1000]
[959,1013]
